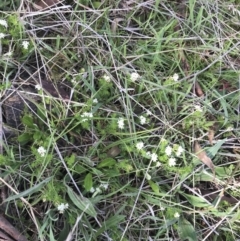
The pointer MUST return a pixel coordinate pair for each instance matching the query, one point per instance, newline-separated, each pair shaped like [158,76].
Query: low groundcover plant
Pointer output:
[102,106]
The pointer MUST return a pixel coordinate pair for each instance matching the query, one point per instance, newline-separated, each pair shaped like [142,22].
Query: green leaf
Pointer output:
[37,135]
[197,201]
[64,232]
[96,4]
[71,160]
[88,183]
[30,191]
[112,222]
[186,230]
[221,173]
[82,203]
[214,149]
[108,162]
[24,138]
[28,121]
[154,186]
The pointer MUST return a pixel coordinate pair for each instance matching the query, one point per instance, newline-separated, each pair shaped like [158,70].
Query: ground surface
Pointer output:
[120,120]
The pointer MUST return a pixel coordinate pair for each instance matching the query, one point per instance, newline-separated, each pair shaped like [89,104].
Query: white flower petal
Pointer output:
[179,152]
[25,44]
[158,164]
[176,215]
[142,120]
[139,145]
[134,76]
[2,35]
[121,123]
[175,77]
[168,150]
[38,87]
[148,113]
[61,207]
[3,23]
[41,151]
[172,162]
[154,157]
[106,78]
[198,108]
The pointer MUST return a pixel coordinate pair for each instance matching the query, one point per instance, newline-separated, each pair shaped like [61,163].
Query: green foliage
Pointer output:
[82,203]
[16,27]
[53,192]
[88,182]
[104,91]
[72,161]
[125,165]
[108,162]
[186,230]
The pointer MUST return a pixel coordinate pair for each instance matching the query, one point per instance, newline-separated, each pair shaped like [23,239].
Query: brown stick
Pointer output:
[10,230]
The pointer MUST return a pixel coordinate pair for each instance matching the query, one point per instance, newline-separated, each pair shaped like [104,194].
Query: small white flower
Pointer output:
[104,185]
[38,87]
[121,123]
[142,120]
[62,207]
[198,108]
[2,35]
[41,151]
[148,154]
[148,113]
[147,176]
[95,100]
[175,77]
[168,150]
[87,114]
[172,162]
[176,215]
[73,81]
[230,128]
[139,145]
[92,190]
[179,151]
[90,115]
[158,164]
[134,76]
[154,157]
[162,208]
[106,78]
[25,44]
[3,23]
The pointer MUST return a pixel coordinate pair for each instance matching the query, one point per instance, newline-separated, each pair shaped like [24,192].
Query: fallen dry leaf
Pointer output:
[198,89]
[211,136]
[202,156]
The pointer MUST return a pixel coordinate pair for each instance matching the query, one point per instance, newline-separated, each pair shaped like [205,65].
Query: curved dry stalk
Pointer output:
[10,230]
